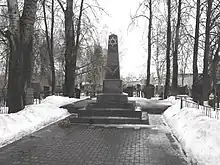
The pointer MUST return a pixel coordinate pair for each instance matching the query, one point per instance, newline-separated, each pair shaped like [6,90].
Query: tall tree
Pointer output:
[215,61]
[167,82]
[96,75]
[76,44]
[149,43]
[52,49]
[175,54]
[195,50]
[50,42]
[20,36]
[207,51]
[72,41]
[147,5]
[69,41]
[159,60]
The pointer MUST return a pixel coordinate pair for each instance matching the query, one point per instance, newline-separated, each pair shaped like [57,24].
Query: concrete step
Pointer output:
[110,113]
[107,120]
[73,107]
[94,105]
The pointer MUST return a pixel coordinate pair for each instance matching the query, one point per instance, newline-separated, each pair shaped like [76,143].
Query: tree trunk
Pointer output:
[149,44]
[71,48]
[175,54]
[50,43]
[52,52]
[206,52]
[20,37]
[76,44]
[215,63]
[167,83]
[157,60]
[69,41]
[195,51]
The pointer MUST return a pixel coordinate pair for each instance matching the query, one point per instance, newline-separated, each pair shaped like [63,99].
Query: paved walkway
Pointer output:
[96,145]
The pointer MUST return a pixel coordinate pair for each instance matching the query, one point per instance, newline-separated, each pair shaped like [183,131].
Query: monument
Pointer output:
[112,105]
[112,95]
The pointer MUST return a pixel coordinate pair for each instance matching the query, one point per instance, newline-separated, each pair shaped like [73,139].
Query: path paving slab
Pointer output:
[96,145]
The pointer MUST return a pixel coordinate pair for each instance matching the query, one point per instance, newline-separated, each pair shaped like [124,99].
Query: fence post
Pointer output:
[181,102]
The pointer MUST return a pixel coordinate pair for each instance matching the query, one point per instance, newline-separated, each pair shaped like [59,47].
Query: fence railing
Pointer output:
[206,109]
[4,108]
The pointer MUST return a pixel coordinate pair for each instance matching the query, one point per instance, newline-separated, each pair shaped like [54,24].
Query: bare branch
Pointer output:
[61,5]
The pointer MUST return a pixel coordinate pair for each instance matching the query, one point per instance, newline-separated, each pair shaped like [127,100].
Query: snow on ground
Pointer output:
[32,118]
[198,134]
[150,103]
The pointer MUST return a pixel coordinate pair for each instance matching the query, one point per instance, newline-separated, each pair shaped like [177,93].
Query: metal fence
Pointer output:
[207,110]
[4,108]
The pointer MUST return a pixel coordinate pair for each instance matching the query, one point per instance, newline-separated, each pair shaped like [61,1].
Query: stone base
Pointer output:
[112,86]
[112,98]
[102,106]
[110,113]
[107,120]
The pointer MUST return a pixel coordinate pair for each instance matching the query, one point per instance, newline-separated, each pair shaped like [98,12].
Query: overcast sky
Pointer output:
[131,42]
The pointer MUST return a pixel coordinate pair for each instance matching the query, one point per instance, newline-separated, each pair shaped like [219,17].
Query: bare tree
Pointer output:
[20,37]
[72,40]
[207,51]
[159,42]
[175,54]
[50,42]
[96,75]
[149,43]
[167,82]
[195,52]
[147,4]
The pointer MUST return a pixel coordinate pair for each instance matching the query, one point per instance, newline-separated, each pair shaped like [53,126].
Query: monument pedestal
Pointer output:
[112,86]
[112,100]
[112,97]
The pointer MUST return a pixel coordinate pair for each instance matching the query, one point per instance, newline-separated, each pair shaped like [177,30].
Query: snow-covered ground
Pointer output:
[32,118]
[198,134]
[149,103]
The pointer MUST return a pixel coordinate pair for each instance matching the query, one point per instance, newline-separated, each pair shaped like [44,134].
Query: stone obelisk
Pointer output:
[112,67]
[112,82]
[112,95]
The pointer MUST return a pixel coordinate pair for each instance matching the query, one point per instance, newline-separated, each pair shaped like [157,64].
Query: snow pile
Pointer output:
[198,133]
[59,100]
[148,103]
[32,118]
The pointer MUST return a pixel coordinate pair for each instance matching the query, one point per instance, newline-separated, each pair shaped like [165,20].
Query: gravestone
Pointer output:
[77,92]
[46,91]
[182,90]
[149,91]
[29,96]
[138,90]
[129,90]
[37,89]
